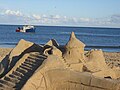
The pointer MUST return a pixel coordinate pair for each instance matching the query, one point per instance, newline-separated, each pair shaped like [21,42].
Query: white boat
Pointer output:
[26,28]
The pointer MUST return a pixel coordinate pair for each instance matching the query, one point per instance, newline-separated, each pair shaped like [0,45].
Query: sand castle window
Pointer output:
[50,52]
[69,52]
[108,77]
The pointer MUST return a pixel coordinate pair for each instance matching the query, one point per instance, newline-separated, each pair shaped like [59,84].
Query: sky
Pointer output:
[86,13]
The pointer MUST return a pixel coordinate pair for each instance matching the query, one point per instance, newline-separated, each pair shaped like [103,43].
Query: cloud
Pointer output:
[115,19]
[55,16]
[17,17]
[11,12]
[85,19]
[38,17]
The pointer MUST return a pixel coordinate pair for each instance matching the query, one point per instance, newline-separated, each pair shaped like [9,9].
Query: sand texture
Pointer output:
[30,66]
[4,52]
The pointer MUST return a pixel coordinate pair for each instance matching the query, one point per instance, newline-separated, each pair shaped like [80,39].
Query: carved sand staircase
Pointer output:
[19,76]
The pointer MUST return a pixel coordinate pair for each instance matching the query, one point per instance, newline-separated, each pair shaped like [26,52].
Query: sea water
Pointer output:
[107,39]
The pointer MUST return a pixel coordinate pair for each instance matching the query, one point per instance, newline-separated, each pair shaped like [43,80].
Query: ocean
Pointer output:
[107,39]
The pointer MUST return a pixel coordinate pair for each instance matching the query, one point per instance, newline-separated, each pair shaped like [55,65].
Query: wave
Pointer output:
[8,43]
[82,34]
[102,46]
[91,34]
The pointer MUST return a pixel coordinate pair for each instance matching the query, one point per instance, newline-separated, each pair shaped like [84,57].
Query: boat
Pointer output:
[26,28]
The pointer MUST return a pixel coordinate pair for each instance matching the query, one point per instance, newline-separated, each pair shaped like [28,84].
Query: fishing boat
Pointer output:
[26,28]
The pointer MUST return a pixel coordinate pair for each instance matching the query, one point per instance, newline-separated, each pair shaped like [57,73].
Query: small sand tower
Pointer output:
[74,50]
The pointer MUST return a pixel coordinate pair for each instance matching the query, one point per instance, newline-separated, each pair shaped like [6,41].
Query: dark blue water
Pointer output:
[107,39]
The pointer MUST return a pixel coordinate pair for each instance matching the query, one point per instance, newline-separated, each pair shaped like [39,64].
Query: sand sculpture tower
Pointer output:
[74,50]
[96,61]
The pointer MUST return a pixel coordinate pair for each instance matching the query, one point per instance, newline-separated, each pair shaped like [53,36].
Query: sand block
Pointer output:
[64,79]
[68,86]
[112,73]
[85,78]
[91,88]
[107,84]
[66,76]
[57,79]
[36,82]
[77,67]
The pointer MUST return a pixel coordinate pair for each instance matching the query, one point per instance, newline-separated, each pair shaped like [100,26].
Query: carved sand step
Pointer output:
[19,69]
[13,80]
[31,60]
[24,67]
[22,73]
[5,87]
[17,73]
[7,83]
[27,65]
[14,76]
[38,55]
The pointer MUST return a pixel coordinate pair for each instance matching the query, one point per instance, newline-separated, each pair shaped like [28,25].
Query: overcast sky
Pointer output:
[102,13]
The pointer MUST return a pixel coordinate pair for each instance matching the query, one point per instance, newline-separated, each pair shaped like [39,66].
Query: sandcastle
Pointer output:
[49,68]
[74,50]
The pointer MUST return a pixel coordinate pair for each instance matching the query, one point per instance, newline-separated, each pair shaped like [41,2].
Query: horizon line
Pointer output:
[63,26]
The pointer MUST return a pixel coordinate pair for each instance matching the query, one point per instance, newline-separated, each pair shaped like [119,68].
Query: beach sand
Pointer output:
[4,52]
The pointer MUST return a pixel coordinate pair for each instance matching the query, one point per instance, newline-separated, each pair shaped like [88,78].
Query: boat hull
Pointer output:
[30,30]
[17,30]
[27,30]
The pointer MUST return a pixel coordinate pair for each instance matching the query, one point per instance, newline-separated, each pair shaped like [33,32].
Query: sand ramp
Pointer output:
[22,71]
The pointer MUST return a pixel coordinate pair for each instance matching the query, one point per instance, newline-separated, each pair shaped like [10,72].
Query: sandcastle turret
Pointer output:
[74,50]
[96,61]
